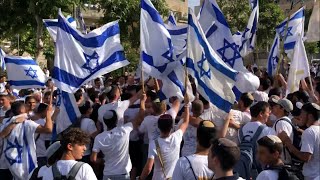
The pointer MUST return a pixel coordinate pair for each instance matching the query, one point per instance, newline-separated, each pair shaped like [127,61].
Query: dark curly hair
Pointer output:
[74,136]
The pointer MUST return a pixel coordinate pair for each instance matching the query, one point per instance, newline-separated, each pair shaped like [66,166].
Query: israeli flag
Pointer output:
[2,63]
[156,44]
[52,26]
[214,78]
[218,34]
[172,20]
[69,111]
[246,39]
[81,22]
[80,58]
[294,30]
[179,40]
[273,58]
[24,73]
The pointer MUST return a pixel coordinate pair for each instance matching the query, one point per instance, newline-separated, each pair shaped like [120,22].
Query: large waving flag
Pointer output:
[179,40]
[313,34]
[81,22]
[299,68]
[80,58]
[69,111]
[218,34]
[246,39]
[52,26]
[24,73]
[214,78]
[156,44]
[273,58]
[2,63]
[172,20]
[294,30]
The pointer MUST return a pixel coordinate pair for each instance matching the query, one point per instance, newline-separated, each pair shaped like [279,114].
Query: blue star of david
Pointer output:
[236,54]
[31,72]
[169,53]
[202,70]
[274,61]
[58,102]
[92,62]
[245,32]
[289,33]
[14,145]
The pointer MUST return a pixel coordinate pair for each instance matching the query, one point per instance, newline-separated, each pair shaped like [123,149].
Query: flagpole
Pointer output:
[142,78]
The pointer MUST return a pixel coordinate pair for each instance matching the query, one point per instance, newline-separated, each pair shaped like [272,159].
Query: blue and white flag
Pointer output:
[179,40]
[294,30]
[213,77]
[24,73]
[172,20]
[246,39]
[52,26]
[2,63]
[81,22]
[273,58]
[69,111]
[156,44]
[218,34]
[80,58]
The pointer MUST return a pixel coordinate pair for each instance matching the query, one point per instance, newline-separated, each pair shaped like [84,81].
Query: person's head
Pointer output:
[3,78]
[130,80]
[31,103]
[310,113]
[97,83]
[159,107]
[4,100]
[54,153]
[206,133]
[114,94]
[282,107]
[245,101]
[18,107]
[110,119]
[165,123]
[78,95]
[269,149]
[260,111]
[73,143]
[122,80]
[197,108]
[223,156]
[275,91]
[46,97]
[86,108]
[49,84]
[204,101]
[264,84]
[42,110]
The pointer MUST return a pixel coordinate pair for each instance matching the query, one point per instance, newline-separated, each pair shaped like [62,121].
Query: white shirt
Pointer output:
[311,143]
[129,116]
[114,144]
[280,126]
[239,118]
[268,175]
[251,127]
[189,140]
[88,126]
[260,96]
[120,107]
[215,115]
[3,87]
[40,140]
[150,125]
[64,166]
[169,148]
[199,163]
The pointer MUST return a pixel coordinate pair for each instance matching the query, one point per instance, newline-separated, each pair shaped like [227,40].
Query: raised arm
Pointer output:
[7,130]
[47,128]
[139,118]
[184,125]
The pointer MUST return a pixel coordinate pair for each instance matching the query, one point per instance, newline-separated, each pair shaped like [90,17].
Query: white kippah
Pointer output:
[274,138]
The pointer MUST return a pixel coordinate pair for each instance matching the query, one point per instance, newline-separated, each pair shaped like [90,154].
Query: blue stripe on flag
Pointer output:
[225,71]
[154,14]
[75,81]
[69,107]
[20,61]
[299,14]
[31,164]
[51,23]
[25,83]
[237,92]
[211,30]
[288,46]
[178,31]
[173,77]
[220,16]
[149,60]
[214,97]
[96,41]
[270,67]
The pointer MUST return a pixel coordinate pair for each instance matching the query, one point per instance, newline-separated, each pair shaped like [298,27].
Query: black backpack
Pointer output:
[71,175]
[285,172]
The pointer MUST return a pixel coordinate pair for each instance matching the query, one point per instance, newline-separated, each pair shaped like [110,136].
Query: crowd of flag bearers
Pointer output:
[191,111]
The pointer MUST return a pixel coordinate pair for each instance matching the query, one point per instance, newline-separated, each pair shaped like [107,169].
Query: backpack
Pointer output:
[247,153]
[71,175]
[285,172]
[296,162]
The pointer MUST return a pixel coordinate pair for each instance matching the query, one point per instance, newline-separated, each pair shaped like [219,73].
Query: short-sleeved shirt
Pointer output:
[89,127]
[251,127]
[40,140]
[64,166]
[240,118]
[169,148]
[268,175]
[311,144]
[199,164]
[114,144]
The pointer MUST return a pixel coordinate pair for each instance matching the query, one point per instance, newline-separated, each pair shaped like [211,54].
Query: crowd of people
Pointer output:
[126,132]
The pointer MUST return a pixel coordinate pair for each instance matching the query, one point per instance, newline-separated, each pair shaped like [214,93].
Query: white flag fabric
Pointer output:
[213,77]
[24,73]
[52,26]
[179,40]
[69,111]
[273,58]
[80,58]
[313,34]
[218,34]
[2,63]
[19,148]
[246,39]
[172,20]
[299,67]
[294,30]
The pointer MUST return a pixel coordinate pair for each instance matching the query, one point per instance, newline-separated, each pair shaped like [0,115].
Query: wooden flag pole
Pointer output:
[142,78]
